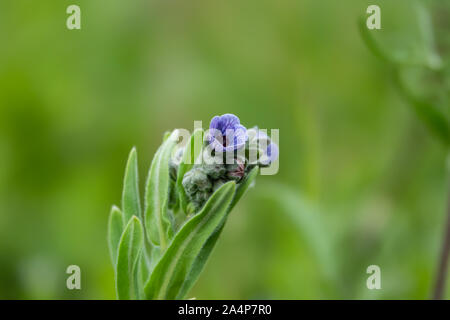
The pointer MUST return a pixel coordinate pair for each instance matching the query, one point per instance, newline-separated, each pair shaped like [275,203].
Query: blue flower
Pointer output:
[270,155]
[266,149]
[226,133]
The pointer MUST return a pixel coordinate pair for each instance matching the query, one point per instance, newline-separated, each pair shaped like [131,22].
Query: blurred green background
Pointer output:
[362,181]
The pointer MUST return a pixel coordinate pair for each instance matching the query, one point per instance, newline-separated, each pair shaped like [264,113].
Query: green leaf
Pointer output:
[243,186]
[131,205]
[191,152]
[206,250]
[419,48]
[372,45]
[309,222]
[431,57]
[140,275]
[433,118]
[200,262]
[129,250]
[166,135]
[171,271]
[115,228]
[157,218]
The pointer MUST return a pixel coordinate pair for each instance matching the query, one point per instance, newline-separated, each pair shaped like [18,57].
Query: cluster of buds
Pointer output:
[230,151]
[189,193]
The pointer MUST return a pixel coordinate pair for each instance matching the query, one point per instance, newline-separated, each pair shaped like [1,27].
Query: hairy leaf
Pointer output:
[131,205]
[115,228]
[206,250]
[171,271]
[129,250]
[157,219]
[140,275]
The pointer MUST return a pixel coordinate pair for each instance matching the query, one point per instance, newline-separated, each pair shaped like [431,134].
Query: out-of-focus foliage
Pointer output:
[362,181]
[418,68]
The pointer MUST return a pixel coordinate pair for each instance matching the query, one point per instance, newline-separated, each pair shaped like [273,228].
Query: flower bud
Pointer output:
[236,170]
[215,171]
[197,185]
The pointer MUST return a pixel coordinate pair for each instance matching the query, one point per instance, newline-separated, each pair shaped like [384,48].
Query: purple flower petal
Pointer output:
[272,152]
[270,155]
[226,133]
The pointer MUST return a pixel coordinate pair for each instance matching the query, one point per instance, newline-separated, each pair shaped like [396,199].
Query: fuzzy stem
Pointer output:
[443,264]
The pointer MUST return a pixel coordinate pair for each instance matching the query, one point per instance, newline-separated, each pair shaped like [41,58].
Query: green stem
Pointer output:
[444,257]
